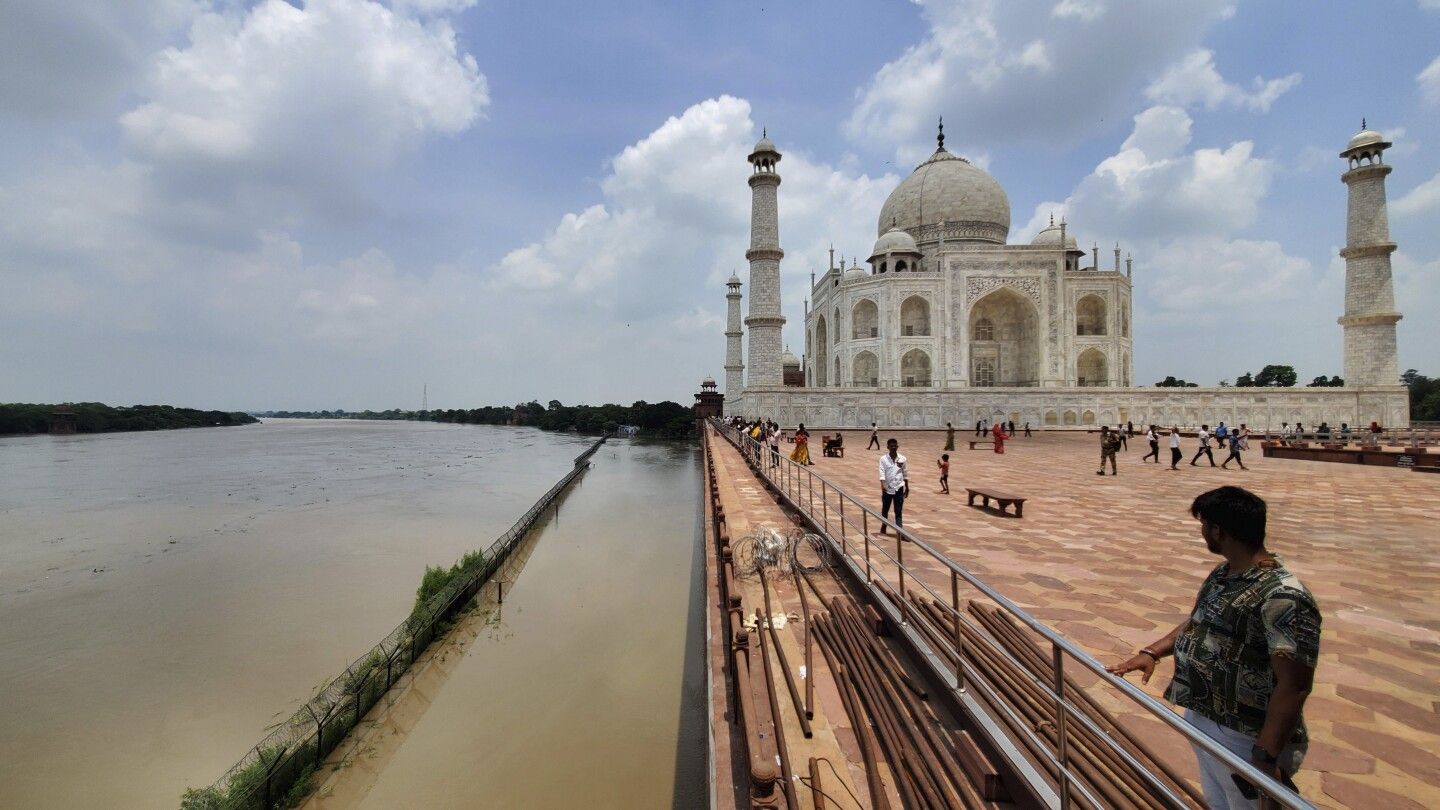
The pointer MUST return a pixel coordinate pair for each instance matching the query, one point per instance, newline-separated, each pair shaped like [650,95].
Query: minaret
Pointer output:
[1370,316]
[765,320]
[734,359]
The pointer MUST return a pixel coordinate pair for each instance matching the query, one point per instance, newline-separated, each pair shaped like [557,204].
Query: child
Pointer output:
[944,465]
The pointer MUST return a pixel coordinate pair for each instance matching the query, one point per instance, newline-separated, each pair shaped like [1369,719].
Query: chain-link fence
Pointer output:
[275,773]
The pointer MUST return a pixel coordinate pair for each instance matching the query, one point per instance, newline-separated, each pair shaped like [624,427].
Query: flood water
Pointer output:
[568,693]
[168,596]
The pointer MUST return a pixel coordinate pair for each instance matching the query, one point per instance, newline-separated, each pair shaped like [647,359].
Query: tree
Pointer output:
[1246,380]
[1424,395]
[1276,377]
[1171,382]
[1326,382]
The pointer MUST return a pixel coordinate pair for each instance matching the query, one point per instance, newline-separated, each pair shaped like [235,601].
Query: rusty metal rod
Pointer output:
[809,648]
[864,734]
[784,661]
[787,773]
[1097,711]
[908,716]
[926,721]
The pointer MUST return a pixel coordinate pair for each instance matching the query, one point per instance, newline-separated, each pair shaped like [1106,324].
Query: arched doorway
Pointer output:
[1090,315]
[915,316]
[865,320]
[1004,338]
[915,369]
[866,369]
[1091,368]
[821,362]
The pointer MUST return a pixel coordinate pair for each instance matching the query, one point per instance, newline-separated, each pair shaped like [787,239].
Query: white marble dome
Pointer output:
[1050,237]
[948,189]
[856,273]
[895,240]
[789,359]
[1365,137]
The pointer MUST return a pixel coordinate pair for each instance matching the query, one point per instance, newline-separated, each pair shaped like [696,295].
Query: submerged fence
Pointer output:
[275,773]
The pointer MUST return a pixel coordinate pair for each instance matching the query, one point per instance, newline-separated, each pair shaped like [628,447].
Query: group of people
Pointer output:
[1236,440]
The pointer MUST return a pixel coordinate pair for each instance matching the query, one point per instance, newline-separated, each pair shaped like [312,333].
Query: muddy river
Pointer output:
[168,596]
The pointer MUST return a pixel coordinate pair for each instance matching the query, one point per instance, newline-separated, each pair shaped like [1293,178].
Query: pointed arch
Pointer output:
[866,370]
[864,320]
[915,316]
[915,369]
[1004,332]
[1090,315]
[821,361]
[1092,368]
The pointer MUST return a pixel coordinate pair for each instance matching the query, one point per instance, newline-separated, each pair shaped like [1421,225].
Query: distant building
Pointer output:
[951,323]
[709,402]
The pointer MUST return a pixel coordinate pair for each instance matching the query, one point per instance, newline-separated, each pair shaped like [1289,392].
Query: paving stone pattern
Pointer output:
[1114,562]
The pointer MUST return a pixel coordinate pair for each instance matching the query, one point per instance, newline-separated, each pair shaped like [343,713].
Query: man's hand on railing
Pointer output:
[1142,662]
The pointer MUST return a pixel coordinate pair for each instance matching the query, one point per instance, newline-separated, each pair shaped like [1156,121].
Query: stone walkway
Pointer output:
[1113,563]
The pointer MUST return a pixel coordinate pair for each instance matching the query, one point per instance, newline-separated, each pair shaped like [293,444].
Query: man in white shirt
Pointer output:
[894,483]
[1174,447]
[1204,447]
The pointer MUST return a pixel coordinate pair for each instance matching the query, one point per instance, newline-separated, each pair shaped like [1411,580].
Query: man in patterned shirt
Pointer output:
[1245,659]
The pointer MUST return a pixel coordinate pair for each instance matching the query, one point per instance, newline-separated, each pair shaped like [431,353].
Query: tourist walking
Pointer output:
[949,436]
[1221,434]
[998,431]
[801,454]
[1130,428]
[1245,658]
[1027,428]
[894,483]
[980,427]
[1204,447]
[1234,454]
[1243,437]
[874,437]
[1124,440]
[1109,443]
[1154,439]
[944,464]
[775,445]
[1174,447]
[1010,428]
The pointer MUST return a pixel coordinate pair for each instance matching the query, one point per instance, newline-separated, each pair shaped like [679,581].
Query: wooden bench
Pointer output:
[975,443]
[1001,500]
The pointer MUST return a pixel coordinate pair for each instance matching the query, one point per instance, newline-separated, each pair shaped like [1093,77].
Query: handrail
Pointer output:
[749,447]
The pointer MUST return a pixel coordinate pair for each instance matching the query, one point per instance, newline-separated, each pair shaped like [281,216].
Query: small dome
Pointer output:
[734,278]
[856,274]
[1050,237]
[764,145]
[708,382]
[789,359]
[894,240]
[944,189]
[1367,137]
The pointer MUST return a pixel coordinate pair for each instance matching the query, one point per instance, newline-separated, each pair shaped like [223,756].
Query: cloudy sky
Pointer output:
[332,203]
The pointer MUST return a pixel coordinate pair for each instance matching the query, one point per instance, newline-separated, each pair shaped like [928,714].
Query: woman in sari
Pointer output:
[801,454]
[949,436]
[999,433]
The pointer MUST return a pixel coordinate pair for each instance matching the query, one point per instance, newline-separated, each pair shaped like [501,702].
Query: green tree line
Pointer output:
[664,420]
[96,417]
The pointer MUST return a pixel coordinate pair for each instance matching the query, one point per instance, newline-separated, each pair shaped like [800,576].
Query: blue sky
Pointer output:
[332,203]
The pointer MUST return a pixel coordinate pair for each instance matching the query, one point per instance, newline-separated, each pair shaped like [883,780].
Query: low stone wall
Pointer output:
[1259,408]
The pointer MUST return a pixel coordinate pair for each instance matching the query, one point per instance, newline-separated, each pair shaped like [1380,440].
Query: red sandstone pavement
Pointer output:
[1113,563]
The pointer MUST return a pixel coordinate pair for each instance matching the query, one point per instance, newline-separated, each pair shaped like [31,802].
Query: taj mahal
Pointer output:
[949,322]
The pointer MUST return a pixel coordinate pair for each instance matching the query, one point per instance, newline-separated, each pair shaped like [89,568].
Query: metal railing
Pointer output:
[266,777]
[846,524]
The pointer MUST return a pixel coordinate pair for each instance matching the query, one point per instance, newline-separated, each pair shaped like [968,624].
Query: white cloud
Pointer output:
[1006,73]
[336,83]
[1086,10]
[1429,81]
[1153,187]
[1418,200]
[1195,80]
